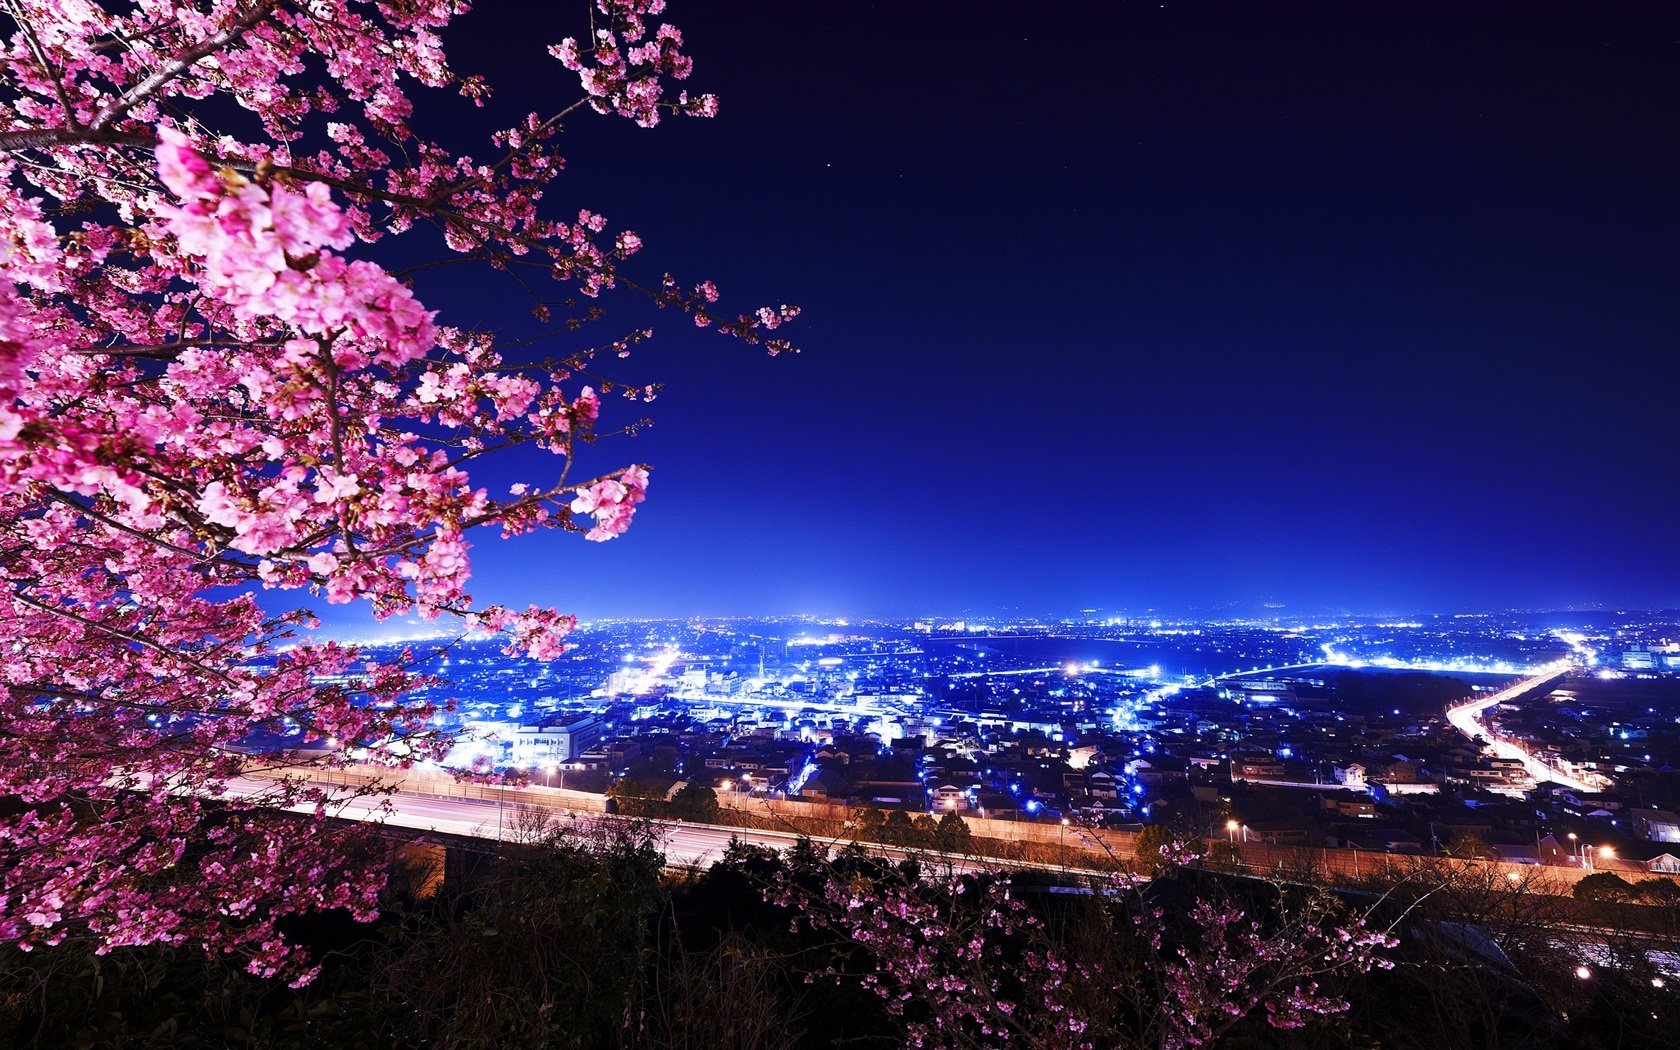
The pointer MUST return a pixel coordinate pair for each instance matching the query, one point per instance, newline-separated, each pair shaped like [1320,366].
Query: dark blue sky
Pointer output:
[1344,306]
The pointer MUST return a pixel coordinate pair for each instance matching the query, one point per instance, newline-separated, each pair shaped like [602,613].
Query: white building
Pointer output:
[1351,775]
[559,741]
[949,798]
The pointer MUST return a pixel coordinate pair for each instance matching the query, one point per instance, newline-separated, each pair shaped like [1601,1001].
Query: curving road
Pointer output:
[1464,719]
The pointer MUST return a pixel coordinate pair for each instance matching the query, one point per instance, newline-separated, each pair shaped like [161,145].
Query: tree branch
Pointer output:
[144,643]
[183,62]
[47,68]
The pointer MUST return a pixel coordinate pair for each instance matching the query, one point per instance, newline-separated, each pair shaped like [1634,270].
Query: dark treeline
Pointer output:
[577,937]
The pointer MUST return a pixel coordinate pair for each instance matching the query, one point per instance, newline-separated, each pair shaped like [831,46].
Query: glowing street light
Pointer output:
[1231,830]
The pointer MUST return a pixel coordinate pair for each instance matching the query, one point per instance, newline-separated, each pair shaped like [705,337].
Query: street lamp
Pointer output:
[1063,837]
[1231,831]
[1574,847]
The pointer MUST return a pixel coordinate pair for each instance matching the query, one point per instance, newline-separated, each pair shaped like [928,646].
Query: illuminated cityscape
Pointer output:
[1510,731]
[628,525]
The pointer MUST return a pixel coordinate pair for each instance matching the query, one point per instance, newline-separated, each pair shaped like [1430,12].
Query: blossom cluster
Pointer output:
[1237,966]
[207,388]
[961,959]
[620,67]
[264,252]
[612,502]
[966,962]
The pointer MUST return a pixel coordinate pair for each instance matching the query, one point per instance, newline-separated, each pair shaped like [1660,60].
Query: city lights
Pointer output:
[988,727]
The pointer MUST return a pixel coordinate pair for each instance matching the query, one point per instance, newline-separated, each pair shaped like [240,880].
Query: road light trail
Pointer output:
[1464,719]
[684,844]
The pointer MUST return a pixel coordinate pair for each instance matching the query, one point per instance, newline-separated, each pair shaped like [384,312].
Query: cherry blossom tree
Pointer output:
[965,962]
[208,389]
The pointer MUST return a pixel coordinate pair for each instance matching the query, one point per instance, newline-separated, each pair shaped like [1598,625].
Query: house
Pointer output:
[999,805]
[889,793]
[763,781]
[1527,852]
[1400,771]
[1554,852]
[1102,784]
[1160,770]
[1256,767]
[1385,840]
[948,798]
[1352,775]
[1657,825]
[823,785]
[1095,783]
[1350,806]
[1278,832]
[1657,858]
[1591,804]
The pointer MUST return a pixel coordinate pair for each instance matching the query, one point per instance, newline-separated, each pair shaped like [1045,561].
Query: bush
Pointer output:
[1604,886]
[695,802]
[1658,890]
[952,834]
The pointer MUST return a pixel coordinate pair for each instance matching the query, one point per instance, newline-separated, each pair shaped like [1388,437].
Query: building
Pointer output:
[1350,806]
[1400,771]
[1256,767]
[1259,690]
[1657,825]
[1657,858]
[558,740]
[1639,658]
[948,798]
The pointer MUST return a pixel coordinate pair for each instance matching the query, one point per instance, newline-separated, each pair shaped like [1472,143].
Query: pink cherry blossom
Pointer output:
[207,387]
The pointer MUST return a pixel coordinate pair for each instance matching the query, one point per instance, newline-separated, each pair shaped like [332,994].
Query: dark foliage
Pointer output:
[576,937]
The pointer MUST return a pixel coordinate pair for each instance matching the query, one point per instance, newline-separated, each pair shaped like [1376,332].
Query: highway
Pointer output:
[1464,719]
[685,845]
[698,845]
[486,811]
[1229,675]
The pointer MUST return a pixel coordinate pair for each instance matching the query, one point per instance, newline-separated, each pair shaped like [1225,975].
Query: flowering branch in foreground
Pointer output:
[968,963]
[205,391]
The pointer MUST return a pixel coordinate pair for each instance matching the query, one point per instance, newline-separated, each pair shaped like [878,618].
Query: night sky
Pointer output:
[1194,307]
